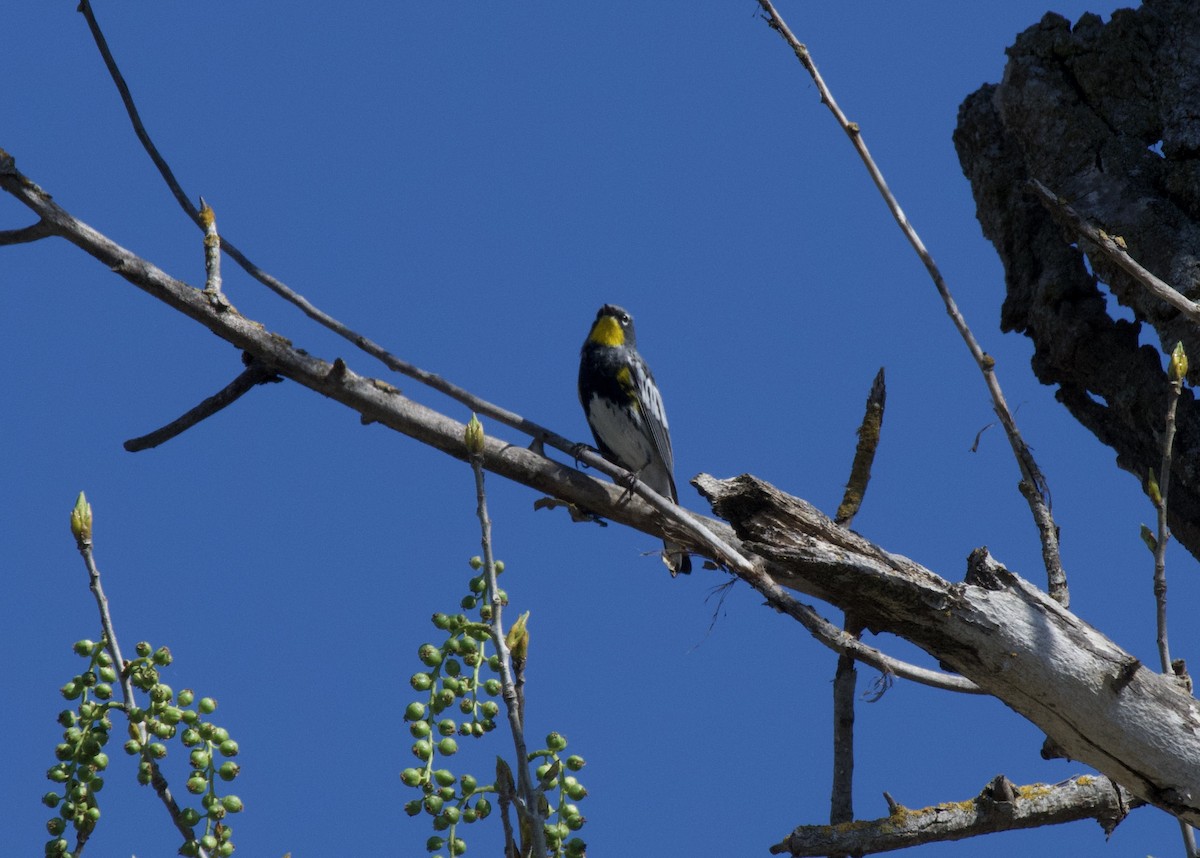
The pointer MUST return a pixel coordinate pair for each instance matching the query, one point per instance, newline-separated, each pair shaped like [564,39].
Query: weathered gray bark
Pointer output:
[1108,117]
[1095,701]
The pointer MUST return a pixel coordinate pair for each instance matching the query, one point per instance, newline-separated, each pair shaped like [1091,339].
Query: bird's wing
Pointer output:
[639,385]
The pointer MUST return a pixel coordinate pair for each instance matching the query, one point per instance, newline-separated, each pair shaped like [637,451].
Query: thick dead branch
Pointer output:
[1002,806]
[1096,701]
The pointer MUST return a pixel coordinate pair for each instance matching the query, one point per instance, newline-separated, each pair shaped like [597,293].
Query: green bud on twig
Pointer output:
[473,436]
[81,520]
[1152,489]
[1178,366]
[517,638]
[1148,538]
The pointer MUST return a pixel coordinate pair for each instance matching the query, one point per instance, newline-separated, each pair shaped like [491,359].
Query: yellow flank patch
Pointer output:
[607,332]
[625,379]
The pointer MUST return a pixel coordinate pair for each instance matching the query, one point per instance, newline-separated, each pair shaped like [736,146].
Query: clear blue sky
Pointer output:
[466,184]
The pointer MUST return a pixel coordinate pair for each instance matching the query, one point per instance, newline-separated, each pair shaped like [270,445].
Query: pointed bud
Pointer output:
[81,520]
[517,638]
[1178,366]
[1152,489]
[207,218]
[1148,538]
[473,437]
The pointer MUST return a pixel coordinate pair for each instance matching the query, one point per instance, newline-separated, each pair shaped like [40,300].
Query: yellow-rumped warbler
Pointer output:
[625,411]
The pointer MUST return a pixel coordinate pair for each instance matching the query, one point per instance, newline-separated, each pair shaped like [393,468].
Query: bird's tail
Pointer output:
[676,559]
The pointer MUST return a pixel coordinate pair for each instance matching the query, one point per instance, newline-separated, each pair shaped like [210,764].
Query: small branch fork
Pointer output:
[1033,483]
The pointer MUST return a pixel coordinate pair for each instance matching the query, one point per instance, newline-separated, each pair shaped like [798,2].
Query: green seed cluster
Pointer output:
[164,717]
[452,682]
[555,774]
[80,754]
[453,679]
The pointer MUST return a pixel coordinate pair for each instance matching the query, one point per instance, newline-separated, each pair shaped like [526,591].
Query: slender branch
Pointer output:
[841,802]
[1160,545]
[1177,367]
[1001,806]
[34,232]
[83,542]
[1114,248]
[1033,483]
[528,805]
[252,375]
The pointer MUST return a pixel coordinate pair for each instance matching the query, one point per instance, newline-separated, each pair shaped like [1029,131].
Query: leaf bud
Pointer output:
[473,436]
[81,520]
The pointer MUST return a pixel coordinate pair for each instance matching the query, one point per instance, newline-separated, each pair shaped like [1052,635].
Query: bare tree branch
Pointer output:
[845,679]
[1094,700]
[1001,806]
[378,401]
[34,232]
[254,374]
[1114,247]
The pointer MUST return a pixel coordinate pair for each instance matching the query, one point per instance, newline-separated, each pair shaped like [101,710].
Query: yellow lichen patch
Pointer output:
[1034,791]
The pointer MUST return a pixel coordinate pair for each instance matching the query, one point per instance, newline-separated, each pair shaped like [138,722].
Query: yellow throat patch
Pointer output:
[607,332]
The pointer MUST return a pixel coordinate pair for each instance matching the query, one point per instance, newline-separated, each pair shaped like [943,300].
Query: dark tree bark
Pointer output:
[1108,117]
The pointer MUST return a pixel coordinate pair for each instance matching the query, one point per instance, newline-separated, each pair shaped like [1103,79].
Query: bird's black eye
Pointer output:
[625,320]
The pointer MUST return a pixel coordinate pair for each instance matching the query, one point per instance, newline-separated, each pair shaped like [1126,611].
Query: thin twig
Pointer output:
[1114,248]
[33,232]
[254,374]
[1033,482]
[1163,535]
[84,543]
[528,805]
[841,801]
[212,251]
